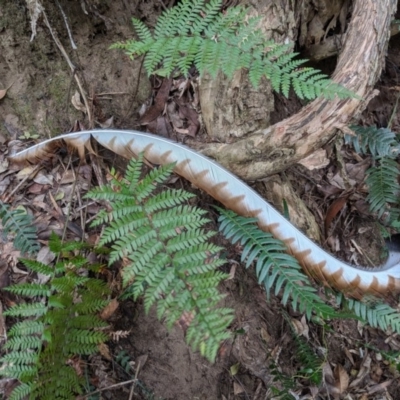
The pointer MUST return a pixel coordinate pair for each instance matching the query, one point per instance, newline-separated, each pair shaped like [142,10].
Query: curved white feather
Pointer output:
[236,195]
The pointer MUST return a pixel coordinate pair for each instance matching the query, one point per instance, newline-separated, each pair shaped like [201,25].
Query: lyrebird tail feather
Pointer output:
[237,196]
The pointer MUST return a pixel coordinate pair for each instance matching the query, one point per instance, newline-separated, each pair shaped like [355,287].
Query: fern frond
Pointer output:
[273,265]
[19,224]
[374,312]
[199,34]
[379,142]
[382,178]
[21,391]
[65,325]
[171,262]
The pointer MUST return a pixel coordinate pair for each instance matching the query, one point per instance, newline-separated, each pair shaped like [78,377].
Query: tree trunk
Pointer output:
[359,66]
[233,108]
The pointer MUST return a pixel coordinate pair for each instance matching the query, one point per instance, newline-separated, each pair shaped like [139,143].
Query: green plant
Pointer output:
[19,224]
[124,361]
[286,383]
[59,325]
[373,311]
[382,177]
[166,252]
[196,33]
[274,267]
[311,367]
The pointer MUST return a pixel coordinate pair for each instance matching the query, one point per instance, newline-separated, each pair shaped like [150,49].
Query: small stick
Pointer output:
[21,183]
[73,45]
[73,69]
[109,387]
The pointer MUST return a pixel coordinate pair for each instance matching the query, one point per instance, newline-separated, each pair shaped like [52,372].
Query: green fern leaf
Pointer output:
[65,325]
[373,311]
[382,180]
[380,142]
[273,265]
[196,33]
[30,289]
[171,262]
[21,391]
[19,224]
[26,310]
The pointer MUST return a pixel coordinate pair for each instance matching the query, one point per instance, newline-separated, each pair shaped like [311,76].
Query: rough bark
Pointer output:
[333,44]
[359,66]
[233,108]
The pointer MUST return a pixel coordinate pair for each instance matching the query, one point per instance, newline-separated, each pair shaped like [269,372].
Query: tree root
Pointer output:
[285,143]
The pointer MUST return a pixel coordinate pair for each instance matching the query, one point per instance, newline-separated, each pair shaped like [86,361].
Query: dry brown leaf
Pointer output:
[117,335]
[36,188]
[4,281]
[76,102]
[363,372]
[105,351]
[349,356]
[333,210]
[12,256]
[109,310]
[3,92]
[141,361]
[341,378]
[237,389]
[232,271]
[301,327]
[43,179]
[356,172]
[23,173]
[160,100]
[185,320]
[381,386]
[45,256]
[68,176]
[329,379]
[265,335]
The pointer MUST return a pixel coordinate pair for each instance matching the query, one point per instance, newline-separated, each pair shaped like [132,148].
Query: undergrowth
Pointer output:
[168,259]
[195,32]
[283,385]
[58,324]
